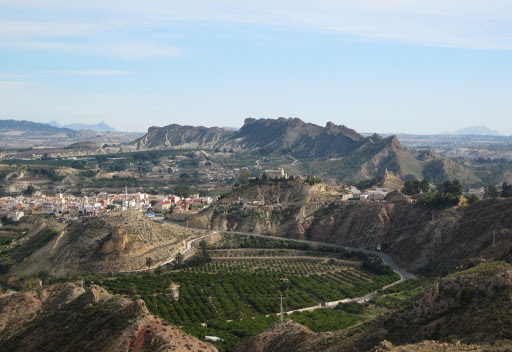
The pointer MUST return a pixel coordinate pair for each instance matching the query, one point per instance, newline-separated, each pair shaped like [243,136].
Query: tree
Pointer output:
[425,185]
[491,192]
[412,187]
[179,258]
[243,179]
[29,190]
[312,180]
[506,190]
[472,199]
[450,187]
[149,262]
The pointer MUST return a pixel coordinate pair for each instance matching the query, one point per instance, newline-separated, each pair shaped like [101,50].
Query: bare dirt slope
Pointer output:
[86,320]
[283,337]
[115,242]
[282,201]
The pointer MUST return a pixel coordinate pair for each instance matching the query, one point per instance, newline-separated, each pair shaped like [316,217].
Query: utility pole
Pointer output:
[282,313]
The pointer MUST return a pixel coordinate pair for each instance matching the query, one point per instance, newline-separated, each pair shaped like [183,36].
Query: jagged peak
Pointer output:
[333,128]
[395,142]
[279,120]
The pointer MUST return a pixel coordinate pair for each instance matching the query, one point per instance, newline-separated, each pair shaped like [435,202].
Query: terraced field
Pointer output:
[234,297]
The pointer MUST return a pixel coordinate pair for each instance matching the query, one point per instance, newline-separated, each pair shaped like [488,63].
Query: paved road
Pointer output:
[188,247]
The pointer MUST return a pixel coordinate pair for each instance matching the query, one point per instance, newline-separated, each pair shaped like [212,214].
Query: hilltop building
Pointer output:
[277,173]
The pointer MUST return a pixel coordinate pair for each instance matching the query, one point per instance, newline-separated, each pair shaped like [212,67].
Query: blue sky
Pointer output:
[372,65]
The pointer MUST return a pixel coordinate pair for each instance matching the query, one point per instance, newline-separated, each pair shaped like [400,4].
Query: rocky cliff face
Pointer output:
[68,318]
[177,136]
[419,238]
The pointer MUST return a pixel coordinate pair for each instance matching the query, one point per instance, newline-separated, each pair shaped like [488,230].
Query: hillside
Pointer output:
[282,203]
[472,307]
[420,238]
[66,317]
[115,242]
[380,154]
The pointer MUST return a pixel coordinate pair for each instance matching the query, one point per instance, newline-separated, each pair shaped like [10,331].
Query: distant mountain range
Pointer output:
[23,134]
[292,135]
[333,149]
[33,129]
[476,131]
[99,127]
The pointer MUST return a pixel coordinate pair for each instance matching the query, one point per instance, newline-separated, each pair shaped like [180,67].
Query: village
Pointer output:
[69,207]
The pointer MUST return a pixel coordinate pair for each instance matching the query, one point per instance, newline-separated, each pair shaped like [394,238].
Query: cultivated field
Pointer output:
[238,297]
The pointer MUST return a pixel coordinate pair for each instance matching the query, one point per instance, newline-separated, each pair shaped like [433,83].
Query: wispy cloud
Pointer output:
[92,72]
[132,50]
[8,84]
[11,76]
[457,23]
[42,29]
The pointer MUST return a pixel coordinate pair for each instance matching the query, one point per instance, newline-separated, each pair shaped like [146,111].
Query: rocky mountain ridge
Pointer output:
[333,149]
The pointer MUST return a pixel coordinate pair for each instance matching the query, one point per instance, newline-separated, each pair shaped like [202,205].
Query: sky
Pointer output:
[388,66]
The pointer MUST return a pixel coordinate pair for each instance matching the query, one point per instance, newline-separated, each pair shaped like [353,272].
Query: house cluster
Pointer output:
[69,207]
[375,194]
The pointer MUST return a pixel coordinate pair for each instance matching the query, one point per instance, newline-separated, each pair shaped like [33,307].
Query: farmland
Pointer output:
[237,298]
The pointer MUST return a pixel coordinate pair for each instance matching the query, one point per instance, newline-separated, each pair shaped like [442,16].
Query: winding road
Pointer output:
[404,275]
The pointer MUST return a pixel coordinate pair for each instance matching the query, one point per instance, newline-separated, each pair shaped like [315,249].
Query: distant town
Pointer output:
[69,207]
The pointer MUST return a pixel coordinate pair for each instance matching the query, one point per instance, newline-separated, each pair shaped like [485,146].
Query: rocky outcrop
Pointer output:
[284,208]
[282,337]
[177,136]
[92,321]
